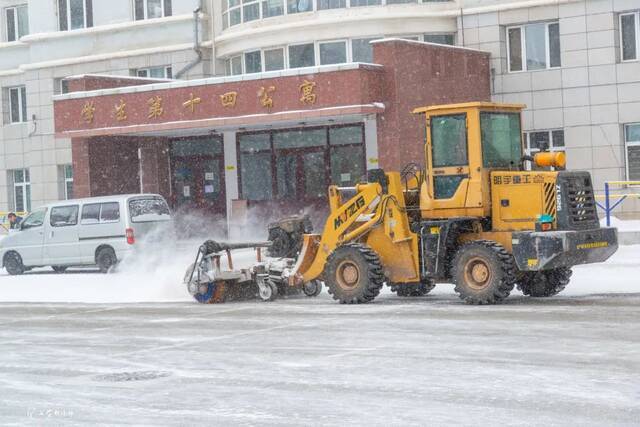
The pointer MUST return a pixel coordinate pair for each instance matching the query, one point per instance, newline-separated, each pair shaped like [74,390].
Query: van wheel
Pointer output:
[105,259]
[13,264]
[59,268]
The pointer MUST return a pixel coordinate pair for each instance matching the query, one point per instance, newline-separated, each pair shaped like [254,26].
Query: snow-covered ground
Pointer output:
[157,277]
[132,348]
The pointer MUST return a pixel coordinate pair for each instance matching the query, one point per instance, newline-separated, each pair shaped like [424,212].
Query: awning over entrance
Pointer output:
[293,95]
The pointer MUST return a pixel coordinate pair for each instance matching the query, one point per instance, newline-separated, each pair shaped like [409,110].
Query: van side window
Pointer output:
[110,212]
[90,214]
[64,216]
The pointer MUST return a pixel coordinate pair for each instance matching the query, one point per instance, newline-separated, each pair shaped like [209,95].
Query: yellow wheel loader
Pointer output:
[482,215]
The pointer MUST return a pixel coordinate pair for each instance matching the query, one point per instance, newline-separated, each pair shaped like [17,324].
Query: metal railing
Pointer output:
[612,201]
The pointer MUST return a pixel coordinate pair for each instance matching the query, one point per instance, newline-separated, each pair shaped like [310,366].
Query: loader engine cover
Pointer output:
[286,236]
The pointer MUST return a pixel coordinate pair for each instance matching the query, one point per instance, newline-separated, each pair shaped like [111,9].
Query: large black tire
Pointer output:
[413,289]
[541,284]
[484,272]
[105,259]
[353,274]
[13,264]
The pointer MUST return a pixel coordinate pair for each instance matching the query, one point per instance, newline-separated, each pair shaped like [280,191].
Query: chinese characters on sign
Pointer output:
[155,107]
[88,111]
[517,179]
[265,96]
[229,99]
[306,89]
[121,112]
[191,103]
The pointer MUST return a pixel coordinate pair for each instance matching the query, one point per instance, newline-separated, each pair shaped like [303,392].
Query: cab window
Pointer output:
[501,139]
[449,140]
[64,216]
[35,219]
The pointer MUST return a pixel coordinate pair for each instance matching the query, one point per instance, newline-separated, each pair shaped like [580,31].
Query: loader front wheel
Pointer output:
[547,283]
[484,272]
[353,274]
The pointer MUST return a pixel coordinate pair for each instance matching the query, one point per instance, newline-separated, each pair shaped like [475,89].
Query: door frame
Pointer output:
[205,157]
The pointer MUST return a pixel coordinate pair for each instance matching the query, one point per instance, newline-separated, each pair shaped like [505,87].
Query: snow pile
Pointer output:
[153,273]
[622,224]
[619,274]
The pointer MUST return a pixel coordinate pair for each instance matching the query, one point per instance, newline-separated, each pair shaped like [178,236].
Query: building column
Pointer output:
[81,167]
[371,141]
[230,175]
[153,155]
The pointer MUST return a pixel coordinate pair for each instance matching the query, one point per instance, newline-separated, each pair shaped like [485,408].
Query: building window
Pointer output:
[632,145]
[301,55]
[448,39]
[233,66]
[17,103]
[299,164]
[163,72]
[272,8]
[235,12]
[299,6]
[358,3]
[67,181]
[331,4]
[75,14]
[274,59]
[60,86]
[17,21]
[253,62]
[551,140]
[629,39]
[149,9]
[21,190]
[361,50]
[316,53]
[334,52]
[533,47]
[250,10]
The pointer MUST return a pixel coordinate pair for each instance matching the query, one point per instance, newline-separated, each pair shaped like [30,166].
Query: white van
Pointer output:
[84,232]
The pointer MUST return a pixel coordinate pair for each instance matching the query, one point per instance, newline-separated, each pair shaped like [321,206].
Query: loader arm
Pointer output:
[346,222]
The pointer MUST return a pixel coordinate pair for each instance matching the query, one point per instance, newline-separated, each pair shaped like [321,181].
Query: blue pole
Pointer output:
[606,202]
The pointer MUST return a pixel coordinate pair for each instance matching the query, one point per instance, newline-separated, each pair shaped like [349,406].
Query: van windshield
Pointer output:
[149,210]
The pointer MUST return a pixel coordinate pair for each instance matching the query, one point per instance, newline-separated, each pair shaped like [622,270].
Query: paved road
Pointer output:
[427,361]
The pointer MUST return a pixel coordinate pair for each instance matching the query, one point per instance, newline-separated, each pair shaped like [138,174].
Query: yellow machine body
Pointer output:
[475,190]
[378,218]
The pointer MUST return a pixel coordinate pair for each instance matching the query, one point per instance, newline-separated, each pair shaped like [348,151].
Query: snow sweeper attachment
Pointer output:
[265,278]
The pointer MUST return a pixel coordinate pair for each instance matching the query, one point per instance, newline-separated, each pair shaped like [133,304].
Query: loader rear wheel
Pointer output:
[541,284]
[353,274]
[312,288]
[484,272]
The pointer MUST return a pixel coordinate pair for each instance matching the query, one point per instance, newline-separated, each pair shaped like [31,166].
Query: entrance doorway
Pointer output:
[197,176]
[284,172]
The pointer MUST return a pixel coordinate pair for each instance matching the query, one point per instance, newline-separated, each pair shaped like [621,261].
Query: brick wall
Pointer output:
[417,75]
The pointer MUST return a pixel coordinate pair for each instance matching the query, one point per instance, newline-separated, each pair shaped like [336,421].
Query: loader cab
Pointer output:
[464,143]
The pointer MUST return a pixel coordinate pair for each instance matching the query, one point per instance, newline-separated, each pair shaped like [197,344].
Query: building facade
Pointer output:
[575,64]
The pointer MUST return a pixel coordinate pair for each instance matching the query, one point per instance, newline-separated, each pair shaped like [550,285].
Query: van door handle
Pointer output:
[51,235]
